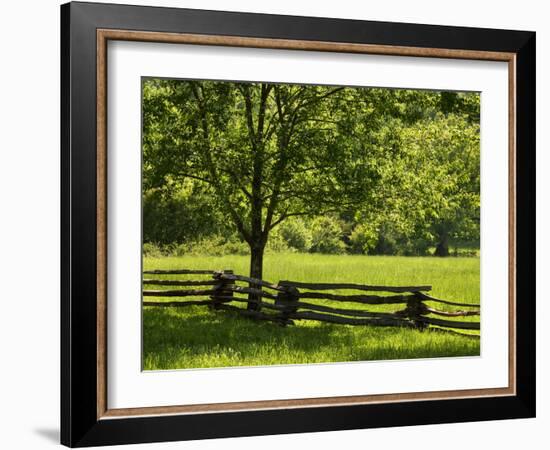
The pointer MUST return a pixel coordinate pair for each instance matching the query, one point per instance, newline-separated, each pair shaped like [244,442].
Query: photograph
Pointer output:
[300,223]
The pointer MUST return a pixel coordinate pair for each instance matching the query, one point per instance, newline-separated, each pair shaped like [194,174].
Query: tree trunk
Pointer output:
[442,248]
[256,271]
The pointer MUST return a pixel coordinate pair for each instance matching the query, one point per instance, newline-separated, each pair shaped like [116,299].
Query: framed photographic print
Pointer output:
[277,224]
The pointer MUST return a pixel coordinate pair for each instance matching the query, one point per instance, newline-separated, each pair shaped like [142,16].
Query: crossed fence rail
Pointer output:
[284,303]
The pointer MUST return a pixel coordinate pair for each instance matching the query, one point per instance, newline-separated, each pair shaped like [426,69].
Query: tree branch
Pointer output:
[212,169]
[245,91]
[312,212]
[321,97]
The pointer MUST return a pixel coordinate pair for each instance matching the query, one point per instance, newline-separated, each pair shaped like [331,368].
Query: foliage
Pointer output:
[151,250]
[296,234]
[431,190]
[326,235]
[445,155]
[181,214]
[215,245]
[277,166]
[363,238]
[277,244]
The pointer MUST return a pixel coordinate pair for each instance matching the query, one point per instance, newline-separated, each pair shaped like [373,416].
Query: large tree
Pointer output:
[436,195]
[267,152]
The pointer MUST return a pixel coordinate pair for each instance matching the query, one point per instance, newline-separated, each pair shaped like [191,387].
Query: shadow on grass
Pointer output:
[194,337]
[195,330]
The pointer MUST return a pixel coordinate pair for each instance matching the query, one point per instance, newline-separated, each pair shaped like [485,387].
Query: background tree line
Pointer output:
[255,167]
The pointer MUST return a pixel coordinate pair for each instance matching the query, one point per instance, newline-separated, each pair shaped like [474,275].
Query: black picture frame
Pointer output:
[80,425]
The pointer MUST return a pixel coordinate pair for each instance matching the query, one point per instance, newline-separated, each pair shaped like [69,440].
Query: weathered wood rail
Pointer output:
[282,302]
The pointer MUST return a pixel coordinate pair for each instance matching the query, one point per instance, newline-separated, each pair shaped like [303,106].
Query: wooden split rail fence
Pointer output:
[284,302]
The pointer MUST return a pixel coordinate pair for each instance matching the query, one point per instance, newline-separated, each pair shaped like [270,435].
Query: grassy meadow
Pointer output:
[198,337]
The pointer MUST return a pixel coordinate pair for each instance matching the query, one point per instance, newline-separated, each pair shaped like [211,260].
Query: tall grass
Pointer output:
[197,337]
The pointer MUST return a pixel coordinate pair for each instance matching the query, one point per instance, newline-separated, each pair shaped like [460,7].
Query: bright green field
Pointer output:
[193,337]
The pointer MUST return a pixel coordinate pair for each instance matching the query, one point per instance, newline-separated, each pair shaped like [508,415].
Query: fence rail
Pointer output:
[282,302]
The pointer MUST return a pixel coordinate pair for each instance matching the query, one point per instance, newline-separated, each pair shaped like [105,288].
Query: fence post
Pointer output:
[287,300]
[415,310]
[221,294]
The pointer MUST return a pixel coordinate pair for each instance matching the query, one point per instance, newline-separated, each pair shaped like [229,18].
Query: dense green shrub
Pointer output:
[152,250]
[215,245]
[277,244]
[186,215]
[295,234]
[362,239]
[393,241]
[326,235]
